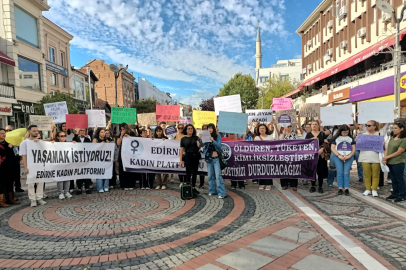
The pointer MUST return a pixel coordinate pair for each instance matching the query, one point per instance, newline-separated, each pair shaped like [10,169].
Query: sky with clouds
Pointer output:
[189,48]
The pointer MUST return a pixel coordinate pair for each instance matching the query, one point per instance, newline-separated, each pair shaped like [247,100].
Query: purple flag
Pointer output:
[370,143]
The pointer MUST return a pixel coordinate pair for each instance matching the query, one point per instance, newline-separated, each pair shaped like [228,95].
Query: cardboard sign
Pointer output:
[76,120]
[43,123]
[285,118]
[147,118]
[186,120]
[170,132]
[336,115]
[123,115]
[167,112]
[370,143]
[228,104]
[57,110]
[201,118]
[259,115]
[96,118]
[310,110]
[281,104]
[231,122]
[380,111]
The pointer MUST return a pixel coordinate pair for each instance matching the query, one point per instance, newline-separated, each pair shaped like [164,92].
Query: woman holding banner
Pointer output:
[127,179]
[262,135]
[179,137]
[162,179]
[288,134]
[322,170]
[102,184]
[63,186]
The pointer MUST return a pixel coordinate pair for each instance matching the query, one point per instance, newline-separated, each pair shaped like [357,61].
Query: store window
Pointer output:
[54,80]
[51,52]
[26,27]
[78,87]
[29,74]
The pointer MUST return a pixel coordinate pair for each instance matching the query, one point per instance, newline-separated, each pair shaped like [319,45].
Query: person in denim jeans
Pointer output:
[343,147]
[102,184]
[212,150]
[395,159]
[331,170]
[360,170]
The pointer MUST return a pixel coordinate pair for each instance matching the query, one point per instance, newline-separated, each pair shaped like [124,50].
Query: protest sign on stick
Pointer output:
[146,118]
[123,115]
[167,112]
[380,111]
[76,120]
[285,118]
[259,115]
[281,104]
[201,118]
[57,110]
[228,104]
[43,123]
[336,115]
[370,143]
[310,110]
[231,122]
[96,118]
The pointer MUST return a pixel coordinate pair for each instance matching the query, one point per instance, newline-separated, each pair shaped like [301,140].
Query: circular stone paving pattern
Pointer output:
[137,227]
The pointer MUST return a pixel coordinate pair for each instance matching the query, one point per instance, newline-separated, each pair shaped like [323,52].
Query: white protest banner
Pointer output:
[50,162]
[380,111]
[310,110]
[259,115]
[205,136]
[96,118]
[228,104]
[57,110]
[145,155]
[336,115]
[43,123]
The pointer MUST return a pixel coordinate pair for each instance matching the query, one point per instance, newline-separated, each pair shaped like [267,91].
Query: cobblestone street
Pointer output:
[250,229]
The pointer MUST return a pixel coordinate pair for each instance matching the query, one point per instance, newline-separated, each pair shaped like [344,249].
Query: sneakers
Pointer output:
[33,203]
[232,187]
[367,192]
[261,187]
[61,196]
[389,181]
[106,190]
[374,193]
[111,187]
[163,187]
[321,190]
[101,191]
[131,188]
[268,188]
[67,195]
[158,187]
[390,197]
[221,197]
[399,200]
[41,202]
[211,194]
[330,185]
[147,188]
[126,189]
[312,189]
[340,192]
[142,188]
[347,192]
[45,196]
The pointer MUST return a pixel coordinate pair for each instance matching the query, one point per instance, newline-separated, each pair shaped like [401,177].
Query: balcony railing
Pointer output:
[7,90]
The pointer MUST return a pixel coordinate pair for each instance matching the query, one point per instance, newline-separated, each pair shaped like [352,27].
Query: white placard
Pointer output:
[57,110]
[228,104]
[205,136]
[49,162]
[380,111]
[43,122]
[336,115]
[96,118]
[259,115]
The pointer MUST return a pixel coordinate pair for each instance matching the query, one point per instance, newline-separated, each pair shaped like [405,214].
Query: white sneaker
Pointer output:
[158,187]
[221,197]
[147,188]
[68,195]
[130,189]
[126,189]
[101,191]
[142,188]
[33,203]
[374,193]
[45,196]
[268,188]
[367,192]
[210,194]
[389,181]
[41,202]
[61,196]
[111,187]
[391,190]
[163,187]
[106,190]
[261,187]
[181,184]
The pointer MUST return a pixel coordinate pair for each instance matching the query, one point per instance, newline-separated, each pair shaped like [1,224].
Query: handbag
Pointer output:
[223,163]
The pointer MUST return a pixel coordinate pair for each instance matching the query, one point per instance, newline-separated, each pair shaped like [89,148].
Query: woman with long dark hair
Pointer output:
[162,179]
[178,137]
[288,134]
[63,186]
[395,159]
[343,147]
[261,134]
[127,179]
[102,184]
[212,150]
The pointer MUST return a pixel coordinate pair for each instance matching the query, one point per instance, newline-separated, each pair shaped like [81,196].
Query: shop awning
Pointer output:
[6,60]
[386,98]
[353,60]
[291,93]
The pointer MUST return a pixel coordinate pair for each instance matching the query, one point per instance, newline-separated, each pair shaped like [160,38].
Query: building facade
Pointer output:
[105,86]
[148,90]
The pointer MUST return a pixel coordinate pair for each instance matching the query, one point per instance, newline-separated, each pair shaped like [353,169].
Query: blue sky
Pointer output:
[189,48]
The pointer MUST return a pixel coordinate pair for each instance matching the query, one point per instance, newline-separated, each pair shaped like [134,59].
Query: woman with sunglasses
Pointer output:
[288,134]
[100,137]
[190,155]
[178,137]
[262,135]
[63,186]
[395,159]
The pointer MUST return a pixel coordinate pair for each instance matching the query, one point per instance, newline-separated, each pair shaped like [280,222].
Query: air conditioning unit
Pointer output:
[342,13]
[343,44]
[330,24]
[327,58]
[386,17]
[309,67]
[362,32]
[330,52]
[309,43]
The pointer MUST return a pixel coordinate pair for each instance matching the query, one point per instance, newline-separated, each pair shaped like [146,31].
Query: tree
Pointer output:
[276,87]
[243,85]
[207,104]
[147,105]
[56,97]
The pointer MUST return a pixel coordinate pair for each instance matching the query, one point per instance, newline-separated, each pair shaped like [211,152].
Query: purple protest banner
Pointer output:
[270,159]
[370,143]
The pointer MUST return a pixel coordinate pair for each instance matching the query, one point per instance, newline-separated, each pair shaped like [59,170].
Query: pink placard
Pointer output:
[167,112]
[76,120]
[281,104]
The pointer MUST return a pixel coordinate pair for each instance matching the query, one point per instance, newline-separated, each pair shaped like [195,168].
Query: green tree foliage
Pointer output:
[276,87]
[147,105]
[57,97]
[245,86]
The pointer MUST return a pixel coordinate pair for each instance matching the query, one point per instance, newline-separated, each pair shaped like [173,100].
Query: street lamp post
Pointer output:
[117,71]
[386,7]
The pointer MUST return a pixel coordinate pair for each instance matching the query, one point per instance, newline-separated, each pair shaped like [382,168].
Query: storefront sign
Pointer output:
[57,68]
[339,95]
[6,109]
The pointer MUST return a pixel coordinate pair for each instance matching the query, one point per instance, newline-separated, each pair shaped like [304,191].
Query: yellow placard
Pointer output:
[15,137]
[403,82]
[201,118]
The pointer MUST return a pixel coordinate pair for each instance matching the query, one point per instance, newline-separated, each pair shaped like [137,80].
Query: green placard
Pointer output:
[123,115]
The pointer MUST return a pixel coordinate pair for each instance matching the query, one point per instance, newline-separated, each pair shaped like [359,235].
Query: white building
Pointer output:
[148,90]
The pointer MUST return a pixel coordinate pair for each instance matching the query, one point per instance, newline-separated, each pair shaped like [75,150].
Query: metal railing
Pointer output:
[7,90]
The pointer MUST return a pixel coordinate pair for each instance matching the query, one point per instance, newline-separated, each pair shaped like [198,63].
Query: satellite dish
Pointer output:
[114,68]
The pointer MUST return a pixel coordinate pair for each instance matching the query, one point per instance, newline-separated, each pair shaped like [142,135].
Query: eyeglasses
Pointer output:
[289,126]
[369,125]
[180,127]
[189,128]
[8,130]
[62,136]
